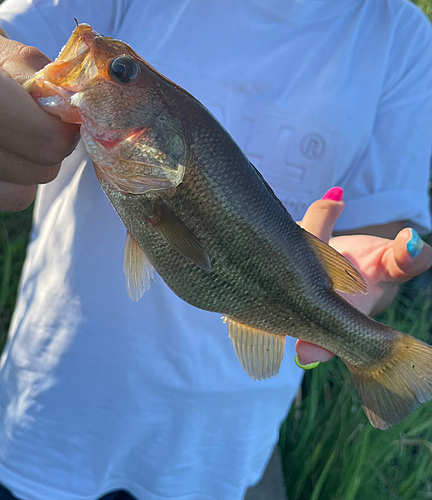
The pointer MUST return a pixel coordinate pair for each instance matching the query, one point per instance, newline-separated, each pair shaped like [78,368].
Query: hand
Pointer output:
[32,142]
[384,263]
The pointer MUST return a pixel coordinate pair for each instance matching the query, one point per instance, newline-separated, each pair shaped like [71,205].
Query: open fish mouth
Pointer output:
[75,67]
[80,41]
[54,86]
[129,158]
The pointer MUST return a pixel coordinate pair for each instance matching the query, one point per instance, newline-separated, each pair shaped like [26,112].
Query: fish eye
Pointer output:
[123,69]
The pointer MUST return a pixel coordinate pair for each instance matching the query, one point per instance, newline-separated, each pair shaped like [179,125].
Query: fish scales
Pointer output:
[241,283]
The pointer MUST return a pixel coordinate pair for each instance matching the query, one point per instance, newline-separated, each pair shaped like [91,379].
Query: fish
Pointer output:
[203,217]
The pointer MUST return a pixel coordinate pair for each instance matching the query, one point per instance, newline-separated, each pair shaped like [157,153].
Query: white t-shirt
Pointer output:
[100,393]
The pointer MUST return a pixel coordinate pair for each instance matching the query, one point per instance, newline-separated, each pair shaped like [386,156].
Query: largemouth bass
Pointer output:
[198,212]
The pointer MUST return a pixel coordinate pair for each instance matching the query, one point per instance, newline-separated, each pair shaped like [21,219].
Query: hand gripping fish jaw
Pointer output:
[130,148]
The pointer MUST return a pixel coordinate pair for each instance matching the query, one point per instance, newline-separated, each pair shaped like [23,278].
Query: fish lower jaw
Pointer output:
[56,101]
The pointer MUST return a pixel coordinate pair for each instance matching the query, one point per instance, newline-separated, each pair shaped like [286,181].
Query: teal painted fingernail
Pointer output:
[310,366]
[414,244]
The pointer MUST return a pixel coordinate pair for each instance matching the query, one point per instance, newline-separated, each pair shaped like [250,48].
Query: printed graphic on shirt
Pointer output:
[296,154]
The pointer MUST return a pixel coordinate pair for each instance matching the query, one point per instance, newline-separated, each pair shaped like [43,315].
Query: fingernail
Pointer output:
[414,244]
[310,366]
[335,193]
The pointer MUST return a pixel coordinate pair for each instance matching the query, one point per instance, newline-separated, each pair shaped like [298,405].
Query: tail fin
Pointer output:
[392,391]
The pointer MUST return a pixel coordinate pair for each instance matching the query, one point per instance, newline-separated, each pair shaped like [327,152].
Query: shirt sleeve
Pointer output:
[48,24]
[390,182]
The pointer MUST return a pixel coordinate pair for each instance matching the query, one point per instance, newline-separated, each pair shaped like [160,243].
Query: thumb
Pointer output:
[322,215]
[410,256]
[20,61]
[319,220]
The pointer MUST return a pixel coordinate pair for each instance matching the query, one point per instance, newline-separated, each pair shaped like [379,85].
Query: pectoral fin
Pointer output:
[179,236]
[343,275]
[137,269]
[260,353]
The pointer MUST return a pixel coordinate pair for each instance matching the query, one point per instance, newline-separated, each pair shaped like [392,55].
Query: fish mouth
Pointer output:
[54,86]
[72,60]
[57,86]
[82,59]
[80,41]
[75,66]
[131,159]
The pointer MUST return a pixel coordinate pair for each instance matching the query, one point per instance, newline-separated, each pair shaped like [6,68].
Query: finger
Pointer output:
[322,215]
[15,197]
[408,257]
[41,138]
[20,171]
[311,353]
[28,131]
[19,60]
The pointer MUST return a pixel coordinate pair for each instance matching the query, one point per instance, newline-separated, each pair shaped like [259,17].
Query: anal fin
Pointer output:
[260,353]
[137,269]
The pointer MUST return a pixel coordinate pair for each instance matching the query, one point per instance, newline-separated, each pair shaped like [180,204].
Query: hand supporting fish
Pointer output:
[199,213]
[385,263]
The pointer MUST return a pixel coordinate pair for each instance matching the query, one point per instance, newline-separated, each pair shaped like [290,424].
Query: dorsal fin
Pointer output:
[260,353]
[343,275]
[137,269]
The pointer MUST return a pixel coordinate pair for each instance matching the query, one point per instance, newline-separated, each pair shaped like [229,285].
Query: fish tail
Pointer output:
[392,390]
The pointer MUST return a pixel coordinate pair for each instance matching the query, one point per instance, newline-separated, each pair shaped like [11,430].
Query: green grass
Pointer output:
[425,6]
[14,232]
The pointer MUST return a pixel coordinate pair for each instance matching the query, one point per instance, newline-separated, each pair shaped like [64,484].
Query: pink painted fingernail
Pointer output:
[335,193]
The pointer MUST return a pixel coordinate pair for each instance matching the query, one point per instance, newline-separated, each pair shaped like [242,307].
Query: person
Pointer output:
[99,394]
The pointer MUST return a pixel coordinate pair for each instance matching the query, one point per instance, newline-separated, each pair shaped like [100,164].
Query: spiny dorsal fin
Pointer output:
[137,269]
[343,275]
[180,237]
[260,353]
